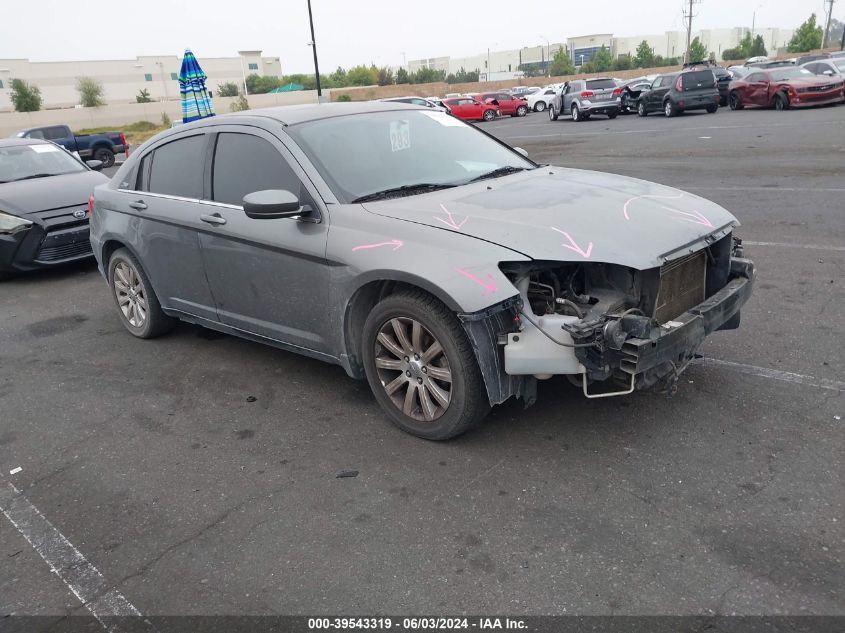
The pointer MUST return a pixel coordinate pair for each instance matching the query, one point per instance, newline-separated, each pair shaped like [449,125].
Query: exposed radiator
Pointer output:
[682,284]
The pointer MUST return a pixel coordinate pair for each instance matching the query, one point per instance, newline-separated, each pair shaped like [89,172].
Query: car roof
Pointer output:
[294,114]
[12,142]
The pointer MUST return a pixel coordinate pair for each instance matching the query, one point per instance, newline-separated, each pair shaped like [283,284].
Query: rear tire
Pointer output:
[522,110]
[425,323]
[489,115]
[641,109]
[575,113]
[539,106]
[105,155]
[735,101]
[136,301]
[712,108]
[781,102]
[612,115]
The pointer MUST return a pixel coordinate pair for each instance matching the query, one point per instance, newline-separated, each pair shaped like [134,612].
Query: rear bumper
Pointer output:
[35,248]
[601,107]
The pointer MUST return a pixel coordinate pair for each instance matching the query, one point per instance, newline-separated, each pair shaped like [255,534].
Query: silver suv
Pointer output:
[584,97]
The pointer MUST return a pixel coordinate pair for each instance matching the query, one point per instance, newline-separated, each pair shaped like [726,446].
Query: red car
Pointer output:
[784,88]
[470,109]
[508,104]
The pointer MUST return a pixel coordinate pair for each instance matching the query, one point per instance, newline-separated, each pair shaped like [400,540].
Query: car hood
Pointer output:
[809,82]
[41,194]
[559,214]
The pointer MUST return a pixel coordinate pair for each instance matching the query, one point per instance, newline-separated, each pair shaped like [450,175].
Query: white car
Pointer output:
[540,100]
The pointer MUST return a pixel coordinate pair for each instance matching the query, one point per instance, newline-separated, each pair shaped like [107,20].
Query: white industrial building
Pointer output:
[122,79]
[504,64]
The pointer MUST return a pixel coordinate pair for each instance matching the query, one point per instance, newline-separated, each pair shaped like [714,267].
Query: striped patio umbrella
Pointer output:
[196,102]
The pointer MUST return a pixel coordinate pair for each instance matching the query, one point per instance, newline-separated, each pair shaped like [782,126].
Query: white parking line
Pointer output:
[814,247]
[67,562]
[774,374]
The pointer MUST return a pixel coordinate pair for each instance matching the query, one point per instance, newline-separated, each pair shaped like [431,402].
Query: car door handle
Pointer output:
[138,205]
[215,219]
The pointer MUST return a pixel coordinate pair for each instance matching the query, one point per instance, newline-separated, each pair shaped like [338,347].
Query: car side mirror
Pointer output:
[96,165]
[271,204]
[519,150]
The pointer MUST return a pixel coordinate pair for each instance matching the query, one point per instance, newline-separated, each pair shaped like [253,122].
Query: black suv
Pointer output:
[679,92]
[723,76]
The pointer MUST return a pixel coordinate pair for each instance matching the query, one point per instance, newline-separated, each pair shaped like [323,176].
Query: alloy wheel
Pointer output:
[130,294]
[413,369]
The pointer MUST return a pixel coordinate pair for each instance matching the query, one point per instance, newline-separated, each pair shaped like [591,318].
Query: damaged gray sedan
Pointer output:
[417,252]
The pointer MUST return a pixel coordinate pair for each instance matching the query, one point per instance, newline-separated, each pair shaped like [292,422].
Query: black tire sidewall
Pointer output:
[465,372]
[105,155]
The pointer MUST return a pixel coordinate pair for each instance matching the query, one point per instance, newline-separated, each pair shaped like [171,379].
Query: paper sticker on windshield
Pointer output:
[400,135]
[444,119]
[41,149]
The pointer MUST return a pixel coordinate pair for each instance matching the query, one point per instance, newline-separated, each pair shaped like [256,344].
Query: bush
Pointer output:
[239,104]
[344,98]
[228,89]
[165,120]
[143,96]
[25,98]
[90,92]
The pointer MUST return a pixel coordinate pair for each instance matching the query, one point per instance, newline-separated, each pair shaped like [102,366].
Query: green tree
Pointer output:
[25,97]
[90,92]
[228,89]
[362,76]
[731,54]
[428,75]
[385,76]
[644,57]
[758,48]
[602,60]
[807,37]
[338,77]
[745,45]
[697,51]
[143,96]
[402,76]
[623,62]
[561,63]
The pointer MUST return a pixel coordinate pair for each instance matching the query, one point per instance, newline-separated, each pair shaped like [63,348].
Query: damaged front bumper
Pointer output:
[638,355]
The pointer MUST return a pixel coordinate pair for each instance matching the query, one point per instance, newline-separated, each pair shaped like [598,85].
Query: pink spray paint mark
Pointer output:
[630,200]
[573,245]
[396,244]
[489,286]
[696,217]
[450,222]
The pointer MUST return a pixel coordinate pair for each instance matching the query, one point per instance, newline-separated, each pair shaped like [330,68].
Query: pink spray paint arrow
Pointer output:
[573,246]
[630,200]
[396,244]
[451,221]
[489,286]
[696,217]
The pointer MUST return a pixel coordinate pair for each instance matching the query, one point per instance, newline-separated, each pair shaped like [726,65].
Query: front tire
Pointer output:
[137,303]
[539,106]
[735,101]
[669,108]
[613,114]
[104,155]
[641,109]
[781,102]
[421,367]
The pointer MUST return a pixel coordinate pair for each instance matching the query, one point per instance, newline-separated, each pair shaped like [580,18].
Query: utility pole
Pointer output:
[689,16]
[314,49]
[827,23]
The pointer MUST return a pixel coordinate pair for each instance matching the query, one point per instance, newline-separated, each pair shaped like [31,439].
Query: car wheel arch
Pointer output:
[110,245]
[364,299]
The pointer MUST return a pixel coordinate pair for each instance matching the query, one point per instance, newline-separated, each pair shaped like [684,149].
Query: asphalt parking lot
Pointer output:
[197,472]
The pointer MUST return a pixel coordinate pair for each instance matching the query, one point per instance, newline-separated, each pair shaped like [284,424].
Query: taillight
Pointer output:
[679,85]
[617,92]
[122,139]
[90,205]
[587,93]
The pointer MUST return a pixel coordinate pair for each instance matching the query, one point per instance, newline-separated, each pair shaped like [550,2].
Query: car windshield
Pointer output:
[784,74]
[21,162]
[363,154]
[840,65]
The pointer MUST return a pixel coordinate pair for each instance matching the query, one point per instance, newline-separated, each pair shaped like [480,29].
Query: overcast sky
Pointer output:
[350,32]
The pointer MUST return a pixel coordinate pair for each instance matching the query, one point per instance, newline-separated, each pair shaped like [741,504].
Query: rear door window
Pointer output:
[697,79]
[177,168]
[600,84]
[243,164]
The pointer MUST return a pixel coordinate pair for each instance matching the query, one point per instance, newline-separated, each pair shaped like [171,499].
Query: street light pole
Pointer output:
[548,55]
[314,49]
